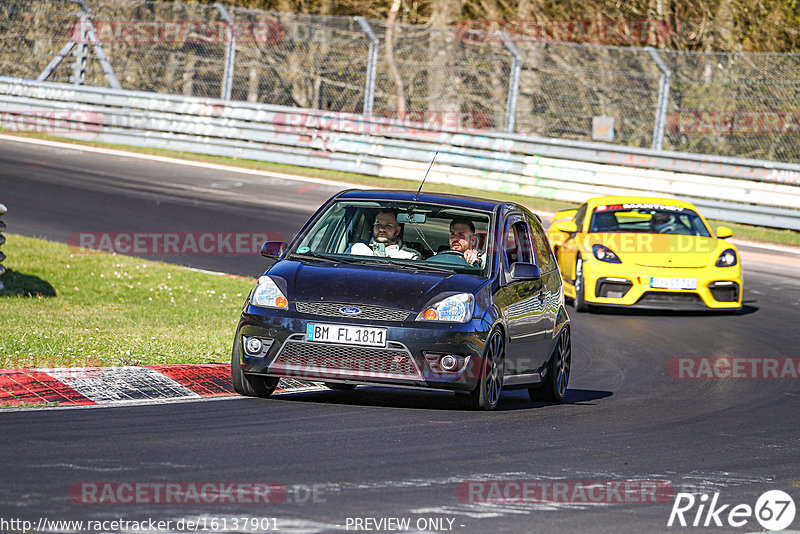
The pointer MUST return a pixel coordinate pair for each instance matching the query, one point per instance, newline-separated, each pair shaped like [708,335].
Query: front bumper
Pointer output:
[401,363]
[625,285]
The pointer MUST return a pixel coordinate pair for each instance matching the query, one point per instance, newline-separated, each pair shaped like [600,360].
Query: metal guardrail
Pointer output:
[748,191]
[3,211]
[618,81]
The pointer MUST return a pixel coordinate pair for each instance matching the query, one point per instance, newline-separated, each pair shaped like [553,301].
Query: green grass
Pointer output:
[760,234]
[64,307]
[29,404]
[741,231]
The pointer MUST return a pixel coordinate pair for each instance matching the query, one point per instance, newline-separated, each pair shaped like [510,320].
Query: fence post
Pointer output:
[3,210]
[87,34]
[230,53]
[663,99]
[81,52]
[372,64]
[513,81]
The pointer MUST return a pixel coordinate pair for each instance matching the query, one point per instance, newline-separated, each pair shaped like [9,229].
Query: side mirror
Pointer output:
[723,232]
[568,227]
[525,271]
[273,249]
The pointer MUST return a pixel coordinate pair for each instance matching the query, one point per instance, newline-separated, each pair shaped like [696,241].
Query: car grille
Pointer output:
[331,309]
[659,296]
[612,289]
[664,299]
[725,293]
[303,358]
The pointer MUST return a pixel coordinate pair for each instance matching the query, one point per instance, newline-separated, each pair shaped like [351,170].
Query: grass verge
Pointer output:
[64,307]
[741,231]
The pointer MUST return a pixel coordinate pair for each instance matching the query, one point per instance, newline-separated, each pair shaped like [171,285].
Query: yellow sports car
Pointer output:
[645,252]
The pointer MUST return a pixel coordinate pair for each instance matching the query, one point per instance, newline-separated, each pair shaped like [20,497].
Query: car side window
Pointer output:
[542,250]
[579,216]
[518,246]
[323,236]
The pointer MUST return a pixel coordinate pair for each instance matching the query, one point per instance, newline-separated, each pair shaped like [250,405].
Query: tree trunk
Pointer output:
[398,80]
[444,80]
[188,76]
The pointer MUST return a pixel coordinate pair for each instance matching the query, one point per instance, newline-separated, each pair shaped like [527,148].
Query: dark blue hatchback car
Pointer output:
[410,290]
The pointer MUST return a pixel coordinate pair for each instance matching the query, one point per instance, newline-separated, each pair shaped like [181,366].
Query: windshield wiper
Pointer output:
[413,267]
[314,256]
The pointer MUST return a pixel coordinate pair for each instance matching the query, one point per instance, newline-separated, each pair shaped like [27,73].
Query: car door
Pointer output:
[550,292]
[520,301]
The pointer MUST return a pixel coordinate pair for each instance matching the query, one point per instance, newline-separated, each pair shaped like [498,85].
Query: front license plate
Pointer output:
[346,334]
[663,282]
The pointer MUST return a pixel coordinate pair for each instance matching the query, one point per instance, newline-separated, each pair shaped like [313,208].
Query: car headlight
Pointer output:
[453,309]
[268,295]
[603,253]
[727,258]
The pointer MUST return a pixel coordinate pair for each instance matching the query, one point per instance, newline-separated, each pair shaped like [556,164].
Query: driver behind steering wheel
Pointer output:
[463,240]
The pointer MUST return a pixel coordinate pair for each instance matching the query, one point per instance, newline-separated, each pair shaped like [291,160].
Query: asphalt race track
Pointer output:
[357,459]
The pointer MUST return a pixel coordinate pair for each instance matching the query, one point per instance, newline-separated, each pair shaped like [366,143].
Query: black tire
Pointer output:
[486,395]
[579,302]
[558,370]
[249,385]
[340,387]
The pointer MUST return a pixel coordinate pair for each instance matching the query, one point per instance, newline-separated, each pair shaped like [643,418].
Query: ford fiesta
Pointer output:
[410,290]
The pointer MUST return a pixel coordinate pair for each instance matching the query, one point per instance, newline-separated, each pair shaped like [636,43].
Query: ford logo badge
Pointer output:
[350,310]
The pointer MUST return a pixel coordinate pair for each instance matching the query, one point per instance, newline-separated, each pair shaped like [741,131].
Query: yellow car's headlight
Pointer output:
[603,253]
[727,258]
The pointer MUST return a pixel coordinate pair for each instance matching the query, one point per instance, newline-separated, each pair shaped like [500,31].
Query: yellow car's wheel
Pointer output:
[579,302]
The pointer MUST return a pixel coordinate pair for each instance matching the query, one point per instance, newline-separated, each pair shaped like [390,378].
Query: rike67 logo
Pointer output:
[774,510]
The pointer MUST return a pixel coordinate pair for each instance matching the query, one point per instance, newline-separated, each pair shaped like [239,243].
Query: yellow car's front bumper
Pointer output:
[611,284]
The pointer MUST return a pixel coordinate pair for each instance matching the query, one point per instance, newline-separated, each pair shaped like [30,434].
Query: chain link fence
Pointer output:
[731,104]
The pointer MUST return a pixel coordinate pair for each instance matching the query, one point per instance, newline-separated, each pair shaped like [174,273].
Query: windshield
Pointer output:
[648,219]
[408,235]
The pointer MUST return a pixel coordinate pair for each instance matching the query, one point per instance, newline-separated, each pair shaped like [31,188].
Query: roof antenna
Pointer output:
[426,175]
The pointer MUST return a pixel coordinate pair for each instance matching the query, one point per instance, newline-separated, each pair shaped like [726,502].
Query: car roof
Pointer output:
[456,201]
[612,199]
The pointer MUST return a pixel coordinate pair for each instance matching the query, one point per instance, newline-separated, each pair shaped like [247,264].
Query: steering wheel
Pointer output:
[449,257]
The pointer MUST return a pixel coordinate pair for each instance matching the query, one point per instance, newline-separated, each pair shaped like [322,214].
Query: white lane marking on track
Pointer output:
[765,246]
[75,467]
[178,161]
[707,481]
[694,481]
[65,147]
